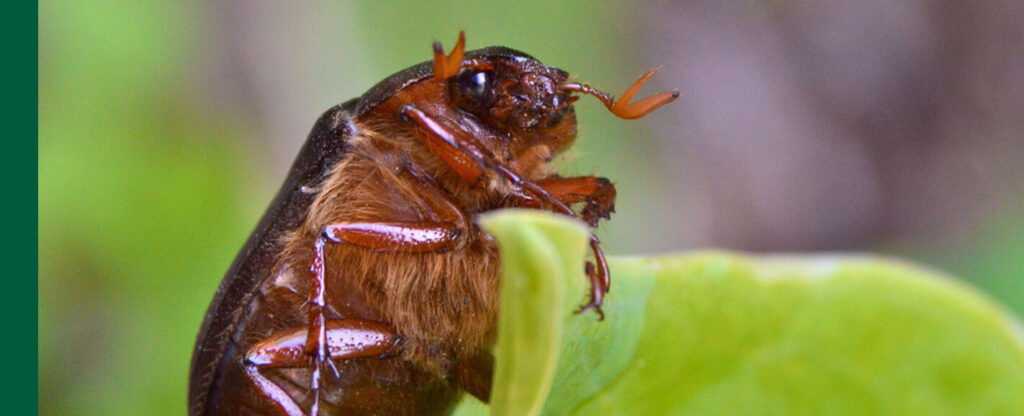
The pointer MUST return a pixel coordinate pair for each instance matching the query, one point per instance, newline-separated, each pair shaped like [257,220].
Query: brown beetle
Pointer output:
[367,288]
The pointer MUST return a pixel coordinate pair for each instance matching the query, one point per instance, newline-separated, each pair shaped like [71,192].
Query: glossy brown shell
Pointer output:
[216,361]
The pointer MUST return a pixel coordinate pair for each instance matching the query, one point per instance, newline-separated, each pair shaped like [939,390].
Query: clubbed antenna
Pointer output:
[622,108]
[447,66]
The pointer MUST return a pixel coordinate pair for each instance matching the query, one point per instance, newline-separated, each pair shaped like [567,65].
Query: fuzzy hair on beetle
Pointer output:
[367,288]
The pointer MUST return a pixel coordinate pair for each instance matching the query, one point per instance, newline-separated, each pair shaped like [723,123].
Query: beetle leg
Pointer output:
[404,236]
[600,279]
[597,193]
[344,339]
[440,234]
[410,237]
[466,159]
[469,162]
[599,196]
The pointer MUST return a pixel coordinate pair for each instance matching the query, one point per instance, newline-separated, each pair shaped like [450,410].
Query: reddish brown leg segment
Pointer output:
[600,279]
[410,237]
[349,338]
[469,159]
[599,196]
[456,151]
[597,193]
[463,157]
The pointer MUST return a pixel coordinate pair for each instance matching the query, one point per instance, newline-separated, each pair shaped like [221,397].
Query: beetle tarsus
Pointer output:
[597,291]
[594,304]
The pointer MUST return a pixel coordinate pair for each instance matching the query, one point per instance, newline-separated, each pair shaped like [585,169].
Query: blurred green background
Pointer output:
[166,127]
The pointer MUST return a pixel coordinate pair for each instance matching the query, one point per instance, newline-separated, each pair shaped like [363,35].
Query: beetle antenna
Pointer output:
[622,108]
[447,66]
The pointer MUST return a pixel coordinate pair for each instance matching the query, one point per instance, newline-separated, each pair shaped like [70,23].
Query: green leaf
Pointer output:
[732,334]
[532,325]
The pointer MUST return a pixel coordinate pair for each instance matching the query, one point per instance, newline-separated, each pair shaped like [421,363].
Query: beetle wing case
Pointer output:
[324,147]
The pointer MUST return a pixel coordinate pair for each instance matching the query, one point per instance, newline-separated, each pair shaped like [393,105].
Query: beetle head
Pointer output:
[516,92]
[519,98]
[503,87]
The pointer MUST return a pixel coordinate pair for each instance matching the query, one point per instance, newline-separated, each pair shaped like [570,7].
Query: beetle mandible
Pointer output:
[367,288]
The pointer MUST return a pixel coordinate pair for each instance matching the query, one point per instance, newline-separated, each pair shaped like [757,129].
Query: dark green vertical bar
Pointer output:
[20,204]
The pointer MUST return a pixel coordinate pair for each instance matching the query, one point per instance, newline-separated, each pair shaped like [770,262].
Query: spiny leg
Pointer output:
[440,234]
[469,161]
[344,339]
[465,158]
[598,195]
[316,336]
[410,237]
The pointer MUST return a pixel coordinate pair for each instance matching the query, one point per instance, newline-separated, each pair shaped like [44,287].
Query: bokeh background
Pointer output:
[165,127]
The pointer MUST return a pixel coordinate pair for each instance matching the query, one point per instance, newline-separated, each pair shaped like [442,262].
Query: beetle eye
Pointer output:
[475,85]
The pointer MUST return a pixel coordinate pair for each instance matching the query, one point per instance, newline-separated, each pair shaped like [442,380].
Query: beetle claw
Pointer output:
[595,305]
[596,292]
